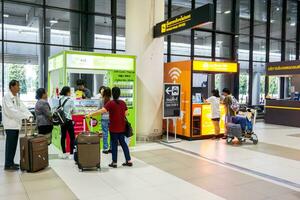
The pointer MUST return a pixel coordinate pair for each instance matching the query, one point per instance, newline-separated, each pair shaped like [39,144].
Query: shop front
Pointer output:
[196,80]
[96,70]
[285,109]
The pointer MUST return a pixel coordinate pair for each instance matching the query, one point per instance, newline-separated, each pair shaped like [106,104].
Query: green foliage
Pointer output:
[17,72]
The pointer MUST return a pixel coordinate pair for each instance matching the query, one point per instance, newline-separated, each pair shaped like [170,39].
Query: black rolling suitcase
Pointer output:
[87,150]
[33,152]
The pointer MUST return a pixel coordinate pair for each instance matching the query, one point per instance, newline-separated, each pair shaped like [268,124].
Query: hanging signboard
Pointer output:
[283,68]
[188,20]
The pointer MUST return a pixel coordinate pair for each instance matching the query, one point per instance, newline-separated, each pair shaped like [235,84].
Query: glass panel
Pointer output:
[165,45]
[260,18]
[274,82]
[290,51]
[276,18]
[103,32]
[179,7]
[166,9]
[121,34]
[243,51]
[32,1]
[259,47]
[181,43]
[121,8]
[244,20]
[291,20]
[21,23]
[275,50]
[103,6]
[179,58]
[224,10]
[223,46]
[244,82]
[68,4]
[21,62]
[56,49]
[58,27]
[202,43]
[258,85]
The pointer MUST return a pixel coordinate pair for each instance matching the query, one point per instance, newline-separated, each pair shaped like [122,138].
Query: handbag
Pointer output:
[128,129]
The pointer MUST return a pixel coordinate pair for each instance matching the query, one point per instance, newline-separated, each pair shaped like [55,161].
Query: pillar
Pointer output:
[44,53]
[141,16]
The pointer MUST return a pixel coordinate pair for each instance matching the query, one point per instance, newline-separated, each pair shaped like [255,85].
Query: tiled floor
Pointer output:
[203,170]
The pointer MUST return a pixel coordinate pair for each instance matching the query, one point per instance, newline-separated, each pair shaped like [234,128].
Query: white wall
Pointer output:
[141,16]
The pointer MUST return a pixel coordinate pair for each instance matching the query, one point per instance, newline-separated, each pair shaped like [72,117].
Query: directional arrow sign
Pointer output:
[171,100]
[168,90]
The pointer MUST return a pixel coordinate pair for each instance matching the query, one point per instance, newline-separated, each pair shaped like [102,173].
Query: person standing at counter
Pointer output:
[13,111]
[43,114]
[106,95]
[117,126]
[82,92]
[214,100]
[228,101]
[68,106]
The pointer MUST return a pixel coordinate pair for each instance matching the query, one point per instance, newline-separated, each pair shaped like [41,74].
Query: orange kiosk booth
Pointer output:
[195,115]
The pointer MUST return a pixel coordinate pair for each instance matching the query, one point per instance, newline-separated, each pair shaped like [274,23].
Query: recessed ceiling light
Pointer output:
[293,24]
[6,15]
[227,12]
[236,36]
[277,9]
[272,20]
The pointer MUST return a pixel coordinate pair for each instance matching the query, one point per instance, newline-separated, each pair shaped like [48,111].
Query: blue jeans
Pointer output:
[115,138]
[12,137]
[104,125]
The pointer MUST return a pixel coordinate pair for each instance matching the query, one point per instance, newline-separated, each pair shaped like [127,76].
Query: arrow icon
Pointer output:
[168,91]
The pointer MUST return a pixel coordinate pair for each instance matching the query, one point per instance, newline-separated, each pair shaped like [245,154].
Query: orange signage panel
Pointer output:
[208,66]
[180,72]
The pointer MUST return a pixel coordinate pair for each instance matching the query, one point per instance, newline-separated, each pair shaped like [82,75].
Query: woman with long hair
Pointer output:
[117,126]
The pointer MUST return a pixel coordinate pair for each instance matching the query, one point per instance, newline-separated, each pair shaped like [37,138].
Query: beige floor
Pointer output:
[45,185]
[222,181]
[275,150]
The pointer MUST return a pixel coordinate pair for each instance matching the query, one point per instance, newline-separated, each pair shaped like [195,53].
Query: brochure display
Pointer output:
[113,70]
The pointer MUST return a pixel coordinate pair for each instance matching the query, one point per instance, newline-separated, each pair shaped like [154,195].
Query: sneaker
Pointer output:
[109,151]
[105,151]
[63,156]
[113,165]
[71,157]
[127,164]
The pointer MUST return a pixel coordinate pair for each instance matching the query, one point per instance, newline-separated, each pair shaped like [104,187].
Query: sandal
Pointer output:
[113,165]
[127,164]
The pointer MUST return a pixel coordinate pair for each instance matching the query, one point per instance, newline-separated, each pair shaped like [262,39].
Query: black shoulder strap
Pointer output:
[63,102]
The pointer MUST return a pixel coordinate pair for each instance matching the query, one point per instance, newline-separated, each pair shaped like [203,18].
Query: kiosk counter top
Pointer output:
[282,112]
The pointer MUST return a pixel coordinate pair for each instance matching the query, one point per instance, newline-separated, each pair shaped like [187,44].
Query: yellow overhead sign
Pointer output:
[209,66]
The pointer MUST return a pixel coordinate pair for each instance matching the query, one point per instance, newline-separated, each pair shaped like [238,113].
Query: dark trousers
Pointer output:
[12,137]
[115,138]
[68,126]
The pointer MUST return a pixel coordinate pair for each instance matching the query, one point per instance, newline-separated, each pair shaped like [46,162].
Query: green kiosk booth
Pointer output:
[96,69]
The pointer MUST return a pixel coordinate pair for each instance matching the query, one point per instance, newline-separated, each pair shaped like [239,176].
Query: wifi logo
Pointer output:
[174,73]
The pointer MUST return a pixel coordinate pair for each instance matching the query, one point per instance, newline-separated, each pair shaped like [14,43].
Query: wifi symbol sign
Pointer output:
[174,73]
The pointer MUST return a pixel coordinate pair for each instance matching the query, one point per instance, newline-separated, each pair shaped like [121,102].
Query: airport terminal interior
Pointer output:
[205,95]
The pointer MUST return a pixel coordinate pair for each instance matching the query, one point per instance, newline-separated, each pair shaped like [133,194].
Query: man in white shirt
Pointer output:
[13,111]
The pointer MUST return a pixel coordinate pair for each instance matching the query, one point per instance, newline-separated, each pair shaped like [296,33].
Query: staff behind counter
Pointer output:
[82,92]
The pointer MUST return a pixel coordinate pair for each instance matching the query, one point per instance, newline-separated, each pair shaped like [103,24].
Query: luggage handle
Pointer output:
[26,128]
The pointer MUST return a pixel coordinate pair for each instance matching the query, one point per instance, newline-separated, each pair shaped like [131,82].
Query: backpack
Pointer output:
[59,116]
[235,106]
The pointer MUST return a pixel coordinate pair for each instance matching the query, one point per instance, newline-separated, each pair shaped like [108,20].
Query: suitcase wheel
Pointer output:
[229,140]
